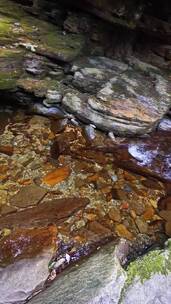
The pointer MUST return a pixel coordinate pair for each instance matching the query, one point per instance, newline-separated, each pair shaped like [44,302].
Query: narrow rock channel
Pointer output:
[85,153]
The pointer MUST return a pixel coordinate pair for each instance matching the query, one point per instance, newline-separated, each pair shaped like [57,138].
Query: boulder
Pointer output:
[125,99]
[101,279]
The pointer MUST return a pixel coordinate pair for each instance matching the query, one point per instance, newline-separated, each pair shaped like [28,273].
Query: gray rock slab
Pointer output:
[125,99]
[19,280]
[101,280]
[98,280]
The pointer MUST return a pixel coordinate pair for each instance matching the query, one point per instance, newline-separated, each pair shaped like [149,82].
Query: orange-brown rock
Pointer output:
[8,150]
[25,182]
[165,203]
[124,206]
[26,243]
[55,211]
[122,231]
[93,178]
[148,214]
[118,194]
[56,176]
[114,214]
[91,217]
[168,228]
[28,196]
[99,230]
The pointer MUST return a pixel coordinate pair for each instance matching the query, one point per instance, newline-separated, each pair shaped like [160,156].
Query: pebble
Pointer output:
[90,132]
[142,226]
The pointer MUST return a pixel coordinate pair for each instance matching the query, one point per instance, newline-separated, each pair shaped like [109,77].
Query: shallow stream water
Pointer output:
[64,195]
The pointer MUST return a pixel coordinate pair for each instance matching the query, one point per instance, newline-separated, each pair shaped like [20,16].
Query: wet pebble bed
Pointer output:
[62,189]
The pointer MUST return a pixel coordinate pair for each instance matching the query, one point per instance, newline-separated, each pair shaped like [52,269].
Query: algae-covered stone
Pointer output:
[21,34]
[38,87]
[10,67]
[45,38]
[149,279]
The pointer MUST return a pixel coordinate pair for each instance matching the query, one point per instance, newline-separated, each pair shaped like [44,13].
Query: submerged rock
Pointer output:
[26,243]
[55,211]
[28,196]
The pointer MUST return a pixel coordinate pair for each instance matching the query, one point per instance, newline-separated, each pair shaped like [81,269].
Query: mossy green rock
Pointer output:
[149,279]
[10,67]
[21,34]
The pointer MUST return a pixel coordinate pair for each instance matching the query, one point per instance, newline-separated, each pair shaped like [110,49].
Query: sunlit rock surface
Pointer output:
[153,154]
[165,125]
[149,279]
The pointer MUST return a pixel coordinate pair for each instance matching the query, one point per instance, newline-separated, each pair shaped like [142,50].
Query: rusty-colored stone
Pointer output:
[90,217]
[55,211]
[8,150]
[26,243]
[56,176]
[122,231]
[148,214]
[28,196]
[99,229]
[114,215]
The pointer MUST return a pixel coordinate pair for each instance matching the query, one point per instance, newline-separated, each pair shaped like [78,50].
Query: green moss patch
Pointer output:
[157,261]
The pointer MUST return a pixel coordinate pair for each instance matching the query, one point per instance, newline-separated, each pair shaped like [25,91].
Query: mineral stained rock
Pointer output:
[117,97]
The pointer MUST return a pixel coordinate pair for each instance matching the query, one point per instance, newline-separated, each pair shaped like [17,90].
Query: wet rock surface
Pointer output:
[56,190]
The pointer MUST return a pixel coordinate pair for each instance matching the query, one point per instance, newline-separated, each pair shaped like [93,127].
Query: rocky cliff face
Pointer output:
[105,62]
